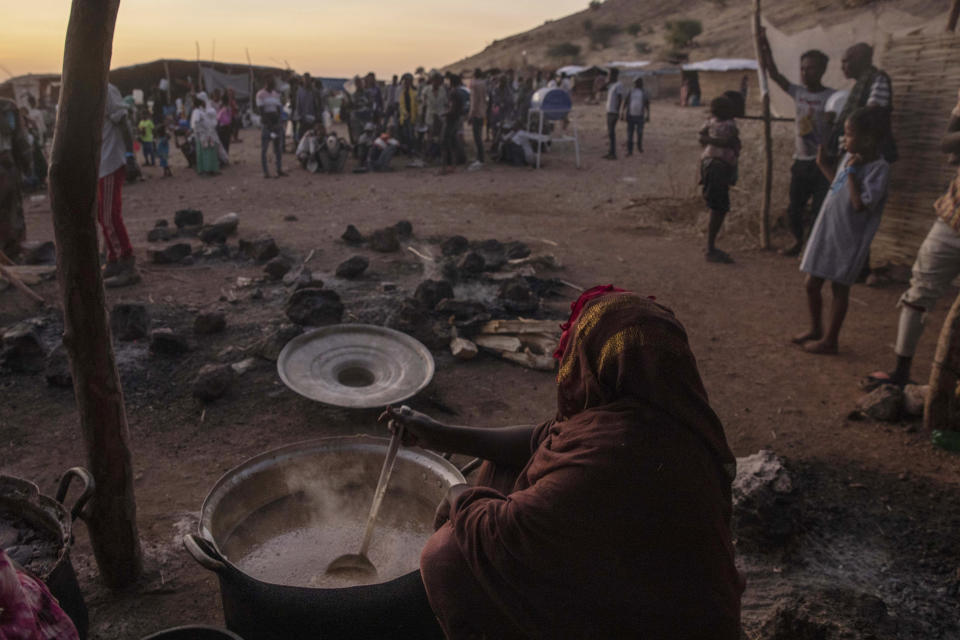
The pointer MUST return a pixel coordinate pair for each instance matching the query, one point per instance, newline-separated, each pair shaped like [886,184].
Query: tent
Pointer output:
[719,75]
[182,73]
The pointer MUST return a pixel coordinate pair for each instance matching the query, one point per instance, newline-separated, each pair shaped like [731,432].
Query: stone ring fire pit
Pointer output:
[355,366]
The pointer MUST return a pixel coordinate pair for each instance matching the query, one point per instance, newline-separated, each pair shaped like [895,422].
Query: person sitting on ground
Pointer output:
[309,146]
[333,154]
[807,183]
[718,169]
[638,113]
[840,241]
[936,267]
[381,152]
[610,520]
[364,142]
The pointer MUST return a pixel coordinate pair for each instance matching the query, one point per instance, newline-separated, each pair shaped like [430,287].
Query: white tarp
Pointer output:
[572,69]
[628,64]
[723,64]
[872,27]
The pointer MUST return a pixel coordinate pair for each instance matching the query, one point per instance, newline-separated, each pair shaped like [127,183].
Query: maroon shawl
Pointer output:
[619,524]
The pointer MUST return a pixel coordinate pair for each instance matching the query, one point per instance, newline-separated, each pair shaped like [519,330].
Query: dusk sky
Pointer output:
[326,38]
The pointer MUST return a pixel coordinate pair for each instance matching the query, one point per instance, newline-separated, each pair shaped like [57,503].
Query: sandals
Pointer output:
[878,379]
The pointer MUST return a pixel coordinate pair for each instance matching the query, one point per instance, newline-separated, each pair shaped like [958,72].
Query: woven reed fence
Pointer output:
[925,72]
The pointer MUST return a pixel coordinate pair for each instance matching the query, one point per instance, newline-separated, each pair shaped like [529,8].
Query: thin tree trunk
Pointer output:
[942,407]
[767,135]
[954,16]
[74,167]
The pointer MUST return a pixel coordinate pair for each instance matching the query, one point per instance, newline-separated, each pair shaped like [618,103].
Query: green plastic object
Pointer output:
[948,440]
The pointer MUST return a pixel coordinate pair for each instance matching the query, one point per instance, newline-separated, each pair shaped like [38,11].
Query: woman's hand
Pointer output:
[419,429]
[442,514]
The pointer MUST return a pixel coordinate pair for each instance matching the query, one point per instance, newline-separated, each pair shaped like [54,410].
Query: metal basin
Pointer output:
[285,503]
[51,520]
[355,365]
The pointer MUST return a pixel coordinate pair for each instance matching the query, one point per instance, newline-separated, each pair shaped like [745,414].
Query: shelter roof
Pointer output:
[722,64]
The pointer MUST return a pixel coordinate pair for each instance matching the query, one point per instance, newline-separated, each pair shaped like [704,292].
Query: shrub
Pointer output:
[634,28]
[420,71]
[594,5]
[601,35]
[588,25]
[680,33]
[641,46]
[564,50]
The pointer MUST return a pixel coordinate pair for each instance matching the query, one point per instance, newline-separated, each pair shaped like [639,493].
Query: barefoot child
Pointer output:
[840,240]
[718,168]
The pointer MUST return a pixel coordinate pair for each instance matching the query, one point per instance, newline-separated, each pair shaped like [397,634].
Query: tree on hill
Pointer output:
[680,33]
[594,5]
[564,50]
[634,28]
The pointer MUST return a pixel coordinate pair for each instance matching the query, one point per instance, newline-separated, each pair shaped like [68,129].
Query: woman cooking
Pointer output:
[610,520]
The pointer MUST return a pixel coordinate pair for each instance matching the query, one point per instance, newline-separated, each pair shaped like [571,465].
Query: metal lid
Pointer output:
[355,365]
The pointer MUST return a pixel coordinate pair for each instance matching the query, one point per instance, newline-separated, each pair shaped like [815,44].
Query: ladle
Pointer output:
[358,563]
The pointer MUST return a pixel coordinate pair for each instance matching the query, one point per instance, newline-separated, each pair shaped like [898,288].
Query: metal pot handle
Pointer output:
[88,488]
[204,553]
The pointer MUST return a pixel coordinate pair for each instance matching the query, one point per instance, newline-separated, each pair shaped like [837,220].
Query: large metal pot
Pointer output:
[23,498]
[276,483]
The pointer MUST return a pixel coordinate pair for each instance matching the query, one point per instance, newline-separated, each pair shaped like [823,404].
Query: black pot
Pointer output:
[258,610]
[193,632]
[25,499]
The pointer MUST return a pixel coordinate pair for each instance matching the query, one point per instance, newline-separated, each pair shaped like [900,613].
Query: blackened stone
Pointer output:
[460,309]
[308,281]
[159,234]
[221,228]
[213,235]
[187,261]
[290,218]
[454,246]
[431,292]
[57,370]
[272,344]
[38,252]
[765,511]
[518,297]
[314,307]
[261,249]
[278,267]
[129,321]
[215,251]
[411,318]
[352,235]
[168,342]
[170,255]
[404,229]
[161,223]
[352,267]
[385,240]
[209,322]
[449,271]
[213,381]
[471,264]
[22,350]
[517,250]
[493,252]
[471,326]
[188,218]
[190,231]
[883,403]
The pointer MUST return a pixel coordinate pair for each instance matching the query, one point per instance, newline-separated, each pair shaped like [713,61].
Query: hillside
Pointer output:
[726,28]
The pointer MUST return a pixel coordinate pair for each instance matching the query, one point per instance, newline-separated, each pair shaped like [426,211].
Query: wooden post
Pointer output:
[954,16]
[767,134]
[199,70]
[74,166]
[941,410]
[252,88]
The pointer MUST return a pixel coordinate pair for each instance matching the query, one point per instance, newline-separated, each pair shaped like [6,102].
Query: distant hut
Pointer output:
[583,78]
[719,75]
[925,76]
[44,87]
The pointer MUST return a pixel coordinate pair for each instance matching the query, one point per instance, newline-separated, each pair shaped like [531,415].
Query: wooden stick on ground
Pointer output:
[767,133]
[10,277]
[74,167]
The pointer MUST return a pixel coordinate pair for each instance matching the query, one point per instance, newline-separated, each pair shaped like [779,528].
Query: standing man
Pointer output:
[407,112]
[14,162]
[393,93]
[936,267]
[638,113]
[306,106]
[435,108]
[452,124]
[478,108]
[116,152]
[615,103]
[270,105]
[872,88]
[807,182]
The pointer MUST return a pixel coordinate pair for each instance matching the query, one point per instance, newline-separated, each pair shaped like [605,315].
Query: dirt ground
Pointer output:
[880,503]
